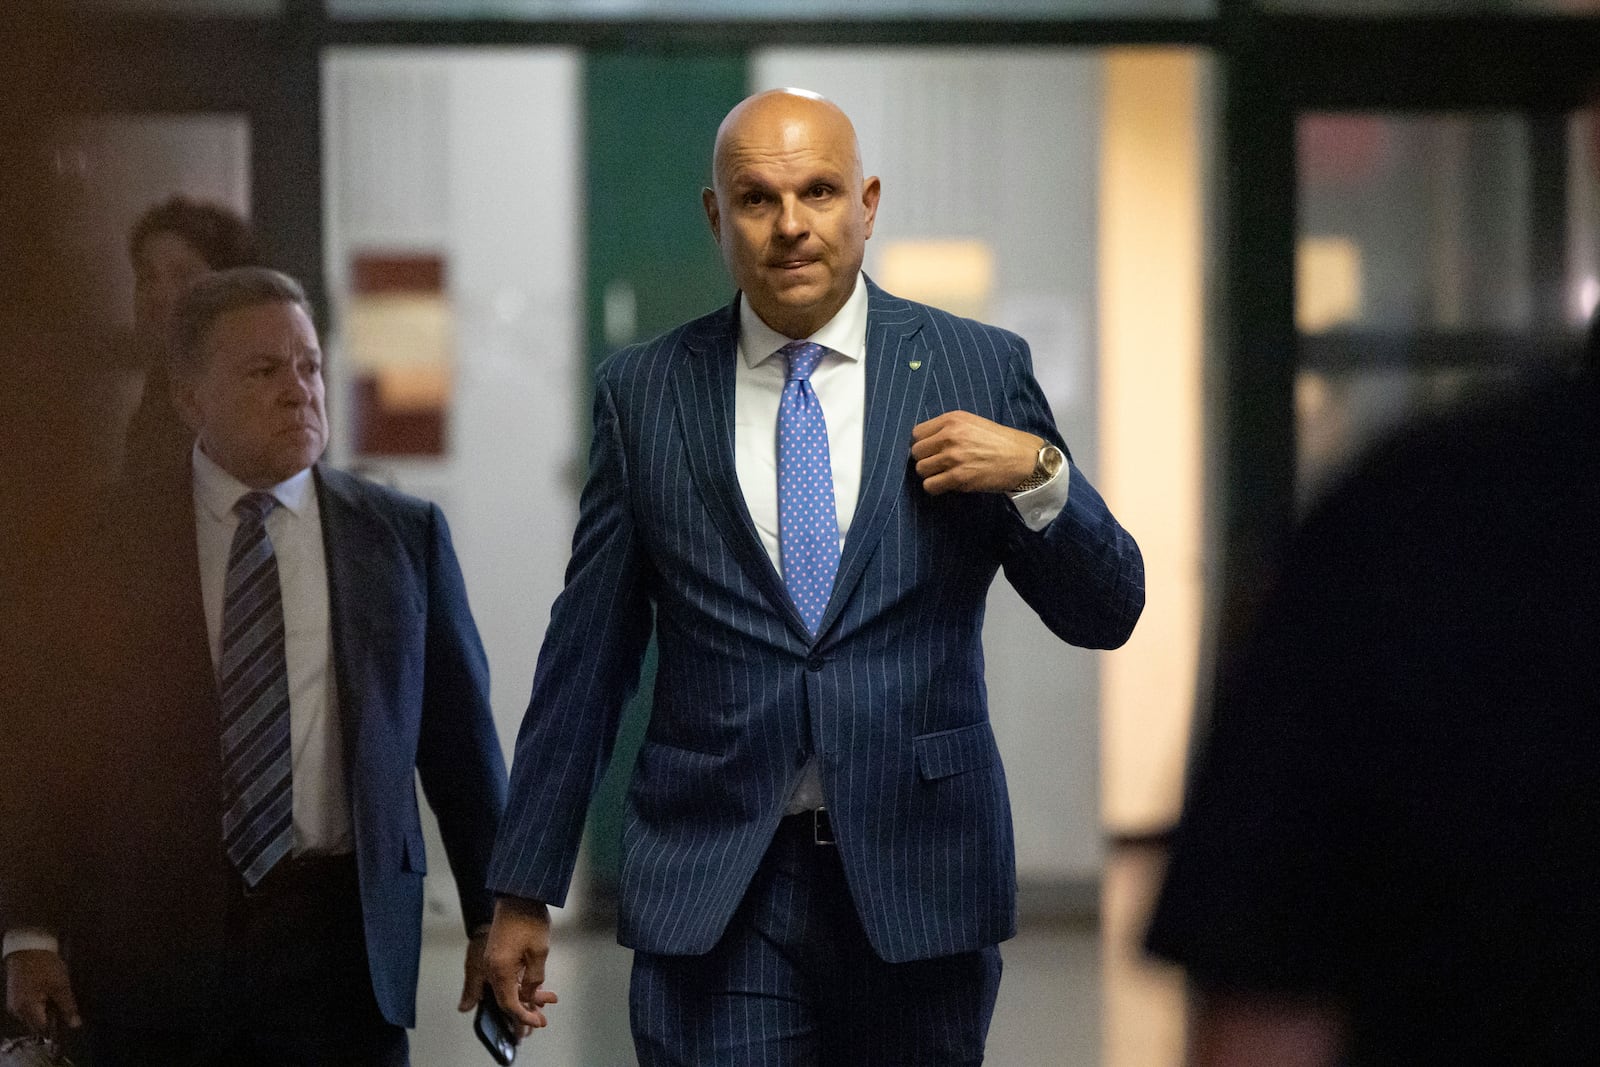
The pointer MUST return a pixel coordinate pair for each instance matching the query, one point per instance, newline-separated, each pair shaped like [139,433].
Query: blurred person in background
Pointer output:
[171,245]
[1387,854]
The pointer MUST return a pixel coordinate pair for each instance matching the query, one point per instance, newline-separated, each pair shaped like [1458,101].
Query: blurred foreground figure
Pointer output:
[1388,852]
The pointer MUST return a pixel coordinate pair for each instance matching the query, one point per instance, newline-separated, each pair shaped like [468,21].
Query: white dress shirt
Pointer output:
[840,383]
[321,801]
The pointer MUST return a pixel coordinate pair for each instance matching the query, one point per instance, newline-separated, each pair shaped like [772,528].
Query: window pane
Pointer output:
[131,162]
[224,8]
[1430,215]
[1440,258]
[1434,7]
[809,10]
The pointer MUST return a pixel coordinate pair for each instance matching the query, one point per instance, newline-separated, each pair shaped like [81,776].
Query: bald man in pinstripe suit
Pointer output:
[817,852]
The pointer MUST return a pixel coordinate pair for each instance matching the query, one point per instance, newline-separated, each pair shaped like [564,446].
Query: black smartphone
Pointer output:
[494,1029]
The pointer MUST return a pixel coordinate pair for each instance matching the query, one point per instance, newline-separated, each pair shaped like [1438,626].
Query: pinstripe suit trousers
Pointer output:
[793,982]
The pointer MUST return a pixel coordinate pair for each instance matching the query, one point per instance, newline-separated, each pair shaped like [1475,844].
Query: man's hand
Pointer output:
[475,971]
[1264,1030]
[519,941]
[37,986]
[963,453]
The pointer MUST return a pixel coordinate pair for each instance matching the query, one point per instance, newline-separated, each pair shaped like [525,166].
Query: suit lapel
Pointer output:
[153,646]
[362,560]
[897,367]
[703,385]
[168,593]
[177,573]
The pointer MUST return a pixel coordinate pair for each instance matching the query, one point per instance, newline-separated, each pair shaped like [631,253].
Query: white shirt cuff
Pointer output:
[29,938]
[1040,505]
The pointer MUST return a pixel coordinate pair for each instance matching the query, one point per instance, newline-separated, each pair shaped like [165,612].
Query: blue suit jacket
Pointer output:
[138,882]
[889,695]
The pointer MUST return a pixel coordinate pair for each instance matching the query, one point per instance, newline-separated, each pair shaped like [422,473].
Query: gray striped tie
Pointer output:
[253,680]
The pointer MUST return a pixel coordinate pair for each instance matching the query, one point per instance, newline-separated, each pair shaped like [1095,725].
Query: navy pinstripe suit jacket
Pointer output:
[890,694]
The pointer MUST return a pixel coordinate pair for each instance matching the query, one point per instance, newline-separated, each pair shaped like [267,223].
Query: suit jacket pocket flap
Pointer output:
[413,854]
[953,751]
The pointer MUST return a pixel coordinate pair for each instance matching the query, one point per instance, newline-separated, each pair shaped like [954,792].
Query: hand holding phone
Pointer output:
[498,1033]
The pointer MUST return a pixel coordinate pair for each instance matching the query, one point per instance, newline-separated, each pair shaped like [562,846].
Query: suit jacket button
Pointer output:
[814,663]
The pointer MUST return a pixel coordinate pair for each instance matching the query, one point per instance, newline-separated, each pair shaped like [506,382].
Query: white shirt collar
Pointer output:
[218,491]
[845,333]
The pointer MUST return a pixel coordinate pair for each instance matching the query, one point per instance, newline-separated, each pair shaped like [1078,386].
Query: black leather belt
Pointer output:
[297,874]
[814,824]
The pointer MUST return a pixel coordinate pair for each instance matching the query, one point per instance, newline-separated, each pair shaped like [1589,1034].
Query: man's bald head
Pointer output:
[789,207]
[784,110]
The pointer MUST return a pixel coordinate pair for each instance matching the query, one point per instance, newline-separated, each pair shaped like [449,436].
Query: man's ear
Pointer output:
[182,391]
[708,199]
[870,190]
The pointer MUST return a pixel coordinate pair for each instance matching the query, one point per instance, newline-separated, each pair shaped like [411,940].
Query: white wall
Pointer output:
[1002,146]
[476,155]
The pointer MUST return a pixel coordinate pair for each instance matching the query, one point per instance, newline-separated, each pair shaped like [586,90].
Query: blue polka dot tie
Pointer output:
[253,681]
[808,525]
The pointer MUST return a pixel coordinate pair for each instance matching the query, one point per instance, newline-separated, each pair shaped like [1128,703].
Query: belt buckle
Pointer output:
[821,827]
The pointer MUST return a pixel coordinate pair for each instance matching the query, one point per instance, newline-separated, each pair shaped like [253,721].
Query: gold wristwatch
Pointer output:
[1045,466]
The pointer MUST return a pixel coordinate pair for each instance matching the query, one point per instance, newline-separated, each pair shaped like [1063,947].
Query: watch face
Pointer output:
[1048,465]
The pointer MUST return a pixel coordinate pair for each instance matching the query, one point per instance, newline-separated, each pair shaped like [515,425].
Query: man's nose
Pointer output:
[299,391]
[794,222]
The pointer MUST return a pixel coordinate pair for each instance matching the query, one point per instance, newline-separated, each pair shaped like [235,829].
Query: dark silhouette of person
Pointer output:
[1387,851]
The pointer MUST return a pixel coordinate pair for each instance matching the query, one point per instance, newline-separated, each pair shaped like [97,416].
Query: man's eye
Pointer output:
[819,191]
[753,199]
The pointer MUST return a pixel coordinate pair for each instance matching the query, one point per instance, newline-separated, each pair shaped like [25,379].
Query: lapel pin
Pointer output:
[915,364]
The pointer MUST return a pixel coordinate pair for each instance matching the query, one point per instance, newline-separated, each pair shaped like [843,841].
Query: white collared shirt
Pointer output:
[321,800]
[840,383]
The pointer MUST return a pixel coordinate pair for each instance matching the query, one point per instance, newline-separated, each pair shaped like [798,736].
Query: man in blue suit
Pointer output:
[269,651]
[806,496]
